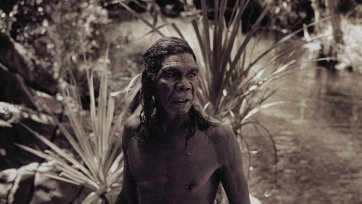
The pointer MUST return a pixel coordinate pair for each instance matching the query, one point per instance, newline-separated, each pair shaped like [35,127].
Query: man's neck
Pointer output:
[171,123]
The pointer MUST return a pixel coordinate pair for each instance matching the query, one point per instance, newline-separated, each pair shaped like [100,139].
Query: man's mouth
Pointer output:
[181,101]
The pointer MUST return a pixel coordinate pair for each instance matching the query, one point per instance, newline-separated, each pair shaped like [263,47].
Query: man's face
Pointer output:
[176,83]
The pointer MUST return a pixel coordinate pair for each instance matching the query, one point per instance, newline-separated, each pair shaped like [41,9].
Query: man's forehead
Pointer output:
[179,68]
[184,60]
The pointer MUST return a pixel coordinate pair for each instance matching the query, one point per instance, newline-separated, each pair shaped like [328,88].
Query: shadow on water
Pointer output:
[318,137]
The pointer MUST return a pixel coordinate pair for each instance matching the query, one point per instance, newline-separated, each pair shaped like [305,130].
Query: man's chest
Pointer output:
[174,167]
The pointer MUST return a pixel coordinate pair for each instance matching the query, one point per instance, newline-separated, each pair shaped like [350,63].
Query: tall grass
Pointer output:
[94,137]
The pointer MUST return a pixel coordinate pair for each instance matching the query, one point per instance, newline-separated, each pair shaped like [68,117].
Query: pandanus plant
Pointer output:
[233,75]
[94,137]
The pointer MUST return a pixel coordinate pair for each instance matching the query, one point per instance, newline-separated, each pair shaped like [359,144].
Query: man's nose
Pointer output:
[183,85]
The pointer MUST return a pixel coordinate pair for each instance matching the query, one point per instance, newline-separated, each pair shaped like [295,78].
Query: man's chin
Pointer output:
[180,111]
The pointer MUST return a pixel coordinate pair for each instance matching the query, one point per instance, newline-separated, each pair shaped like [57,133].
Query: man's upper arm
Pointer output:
[128,194]
[232,175]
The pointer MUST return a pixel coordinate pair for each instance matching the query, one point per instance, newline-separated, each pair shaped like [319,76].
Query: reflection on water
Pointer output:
[338,99]
[334,97]
[318,136]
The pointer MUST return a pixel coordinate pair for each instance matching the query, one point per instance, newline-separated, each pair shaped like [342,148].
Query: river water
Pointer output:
[318,136]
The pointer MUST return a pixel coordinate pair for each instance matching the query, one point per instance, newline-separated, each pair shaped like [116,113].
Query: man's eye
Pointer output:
[170,75]
[192,74]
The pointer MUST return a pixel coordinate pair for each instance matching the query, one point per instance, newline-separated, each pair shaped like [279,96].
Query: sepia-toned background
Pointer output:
[285,74]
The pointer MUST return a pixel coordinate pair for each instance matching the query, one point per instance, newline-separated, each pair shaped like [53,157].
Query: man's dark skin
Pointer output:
[172,172]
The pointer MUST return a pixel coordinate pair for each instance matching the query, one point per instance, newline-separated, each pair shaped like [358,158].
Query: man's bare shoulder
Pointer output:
[130,125]
[223,139]
[132,122]
[219,131]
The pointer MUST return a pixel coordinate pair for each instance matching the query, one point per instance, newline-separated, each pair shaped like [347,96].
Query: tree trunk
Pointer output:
[336,26]
[336,21]
[17,60]
[317,15]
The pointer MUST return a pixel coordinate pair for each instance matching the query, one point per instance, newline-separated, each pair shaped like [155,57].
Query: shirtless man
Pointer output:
[173,152]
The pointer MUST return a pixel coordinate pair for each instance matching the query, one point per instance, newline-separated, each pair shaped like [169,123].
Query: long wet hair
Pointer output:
[150,126]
